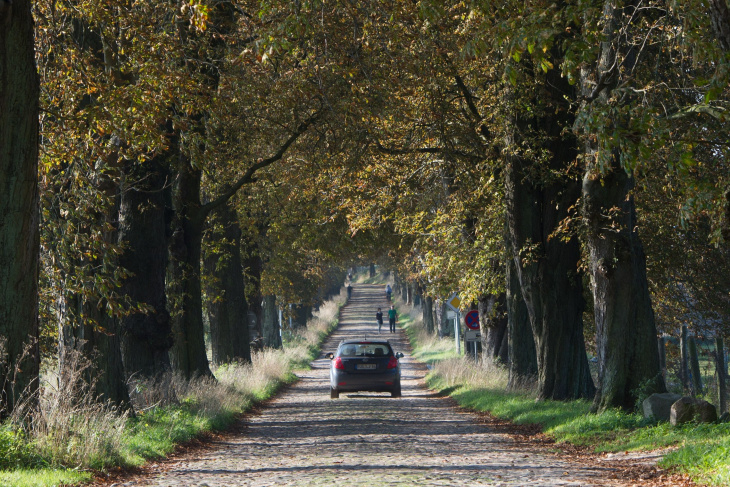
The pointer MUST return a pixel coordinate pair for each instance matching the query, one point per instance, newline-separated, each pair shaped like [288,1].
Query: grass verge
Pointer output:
[701,451]
[74,435]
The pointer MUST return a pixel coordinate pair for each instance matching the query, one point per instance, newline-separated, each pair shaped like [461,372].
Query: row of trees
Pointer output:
[193,153]
[522,150]
[166,197]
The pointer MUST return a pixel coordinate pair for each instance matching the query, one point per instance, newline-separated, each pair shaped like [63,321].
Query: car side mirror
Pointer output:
[399,355]
[329,355]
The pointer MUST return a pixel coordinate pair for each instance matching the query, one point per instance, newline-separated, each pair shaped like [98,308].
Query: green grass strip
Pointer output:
[42,477]
[702,451]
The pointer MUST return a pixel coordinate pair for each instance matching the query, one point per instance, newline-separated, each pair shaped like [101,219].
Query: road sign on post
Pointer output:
[471,320]
[472,335]
[453,302]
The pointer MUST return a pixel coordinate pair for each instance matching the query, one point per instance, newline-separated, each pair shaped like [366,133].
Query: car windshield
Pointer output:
[365,350]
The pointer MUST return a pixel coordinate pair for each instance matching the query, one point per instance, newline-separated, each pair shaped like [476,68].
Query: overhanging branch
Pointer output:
[248,176]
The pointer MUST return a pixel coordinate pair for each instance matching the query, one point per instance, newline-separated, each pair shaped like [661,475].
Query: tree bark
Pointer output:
[428,318]
[547,268]
[226,307]
[188,354]
[662,356]
[146,337]
[625,329]
[19,235]
[418,295]
[89,353]
[301,313]
[626,334]
[522,355]
[493,324]
[270,323]
[720,20]
[445,328]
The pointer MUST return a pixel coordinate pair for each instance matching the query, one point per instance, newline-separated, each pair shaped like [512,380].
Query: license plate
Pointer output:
[366,366]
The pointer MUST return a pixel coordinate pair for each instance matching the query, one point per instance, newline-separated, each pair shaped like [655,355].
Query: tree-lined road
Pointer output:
[304,438]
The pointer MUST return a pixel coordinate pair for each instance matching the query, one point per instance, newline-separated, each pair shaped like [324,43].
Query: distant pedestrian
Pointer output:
[392,318]
[349,290]
[388,291]
[379,319]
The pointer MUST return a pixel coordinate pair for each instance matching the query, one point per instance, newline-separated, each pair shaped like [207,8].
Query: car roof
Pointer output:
[366,340]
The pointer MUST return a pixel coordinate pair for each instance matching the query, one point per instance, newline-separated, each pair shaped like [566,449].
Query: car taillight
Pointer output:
[339,364]
[392,363]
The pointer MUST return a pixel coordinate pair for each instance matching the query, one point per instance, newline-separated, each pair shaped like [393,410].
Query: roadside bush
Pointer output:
[15,449]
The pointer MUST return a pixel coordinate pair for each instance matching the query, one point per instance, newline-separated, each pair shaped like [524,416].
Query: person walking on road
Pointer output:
[379,319]
[388,291]
[392,318]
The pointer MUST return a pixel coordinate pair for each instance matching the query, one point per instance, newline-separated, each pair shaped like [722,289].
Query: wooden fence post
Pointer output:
[721,373]
[695,365]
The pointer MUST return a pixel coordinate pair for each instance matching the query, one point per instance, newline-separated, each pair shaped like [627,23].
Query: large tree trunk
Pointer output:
[446,328]
[720,21]
[493,324]
[270,323]
[625,330]
[146,337]
[428,318]
[228,311]
[537,201]
[89,352]
[88,336]
[522,355]
[253,267]
[300,313]
[19,236]
[187,355]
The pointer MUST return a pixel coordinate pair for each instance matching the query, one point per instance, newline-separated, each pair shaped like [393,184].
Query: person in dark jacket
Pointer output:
[379,319]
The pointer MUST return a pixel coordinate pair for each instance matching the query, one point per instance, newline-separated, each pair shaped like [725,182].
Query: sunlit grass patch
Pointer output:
[378,278]
[704,453]
[42,477]
[427,347]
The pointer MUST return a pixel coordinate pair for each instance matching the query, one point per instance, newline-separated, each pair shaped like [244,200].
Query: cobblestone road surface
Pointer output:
[304,438]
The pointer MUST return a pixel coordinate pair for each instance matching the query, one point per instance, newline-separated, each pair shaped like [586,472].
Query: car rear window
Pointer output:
[365,350]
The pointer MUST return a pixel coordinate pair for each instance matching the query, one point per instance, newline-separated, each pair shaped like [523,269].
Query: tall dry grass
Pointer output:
[74,429]
[462,370]
[322,322]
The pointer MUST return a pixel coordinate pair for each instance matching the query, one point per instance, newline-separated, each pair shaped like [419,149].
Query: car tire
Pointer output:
[334,393]
[395,392]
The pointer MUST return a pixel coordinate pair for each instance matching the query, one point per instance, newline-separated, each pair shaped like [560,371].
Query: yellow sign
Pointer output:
[454,302]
